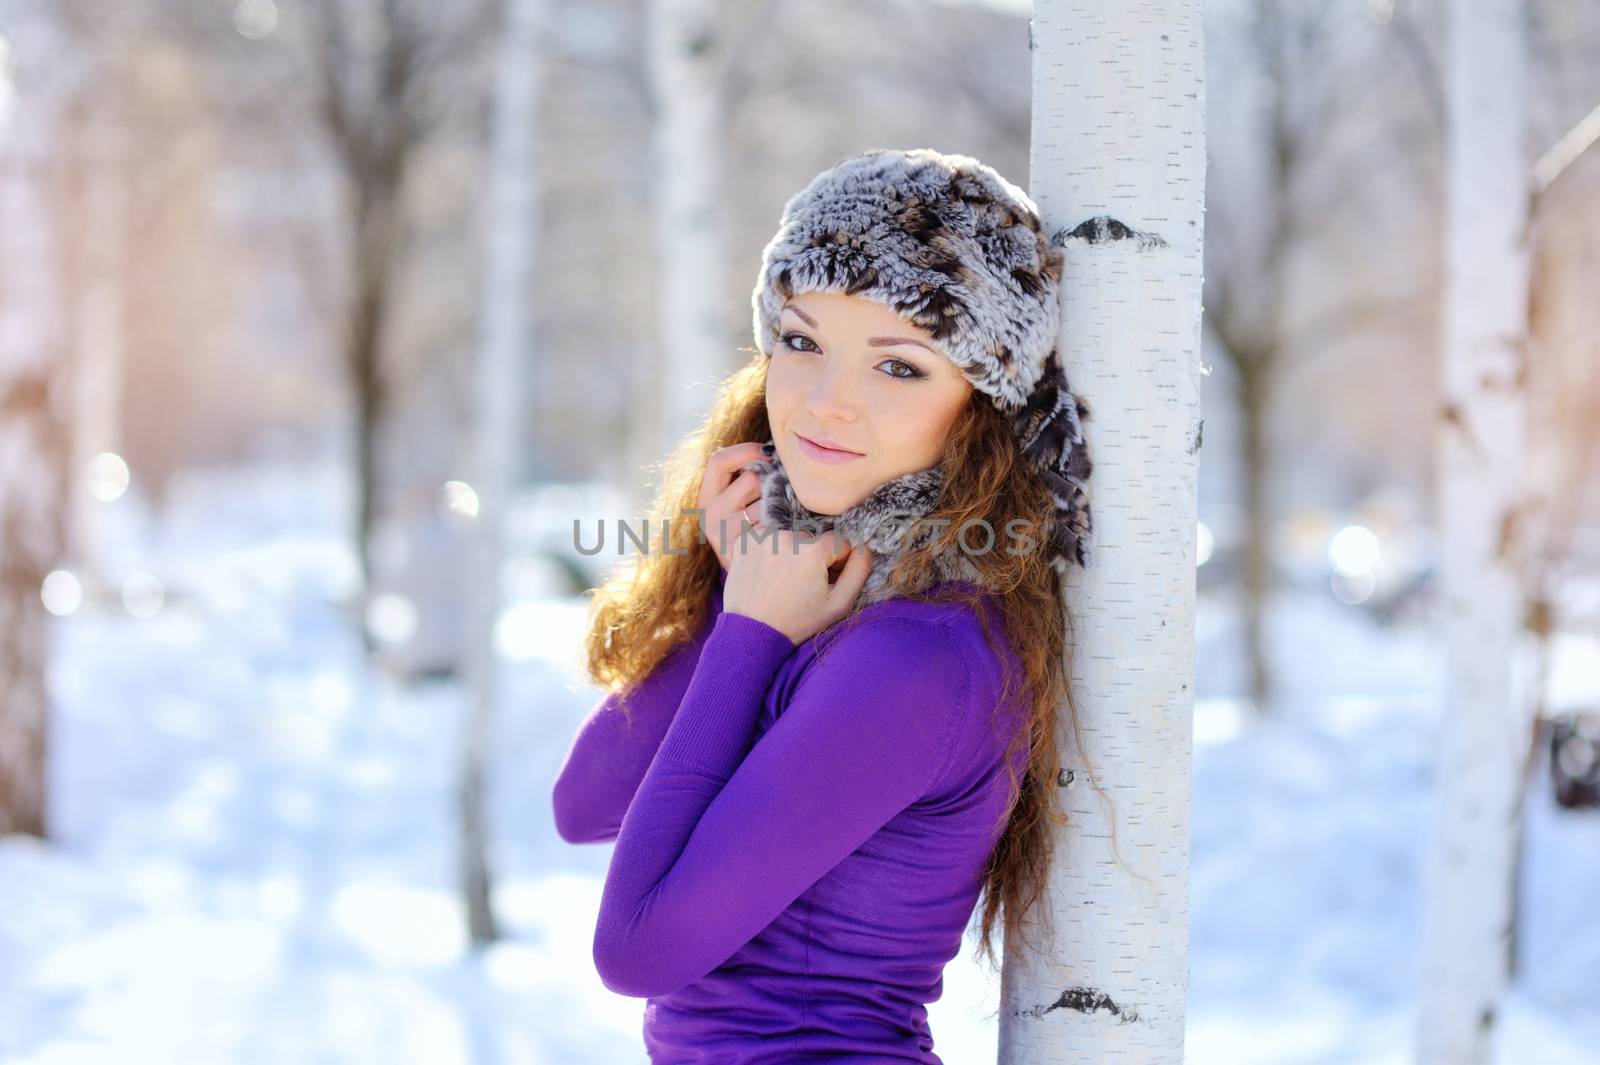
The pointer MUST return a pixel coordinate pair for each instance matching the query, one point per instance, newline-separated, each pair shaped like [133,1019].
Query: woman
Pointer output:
[834,718]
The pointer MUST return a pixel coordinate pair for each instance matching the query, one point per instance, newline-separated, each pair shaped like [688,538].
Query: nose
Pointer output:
[832,398]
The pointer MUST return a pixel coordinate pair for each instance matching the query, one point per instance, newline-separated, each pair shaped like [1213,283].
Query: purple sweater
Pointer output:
[799,841]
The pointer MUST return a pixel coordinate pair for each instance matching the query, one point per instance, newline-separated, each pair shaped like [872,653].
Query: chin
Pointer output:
[824,499]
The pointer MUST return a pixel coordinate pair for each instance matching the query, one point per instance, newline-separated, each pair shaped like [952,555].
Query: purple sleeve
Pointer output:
[608,756]
[726,831]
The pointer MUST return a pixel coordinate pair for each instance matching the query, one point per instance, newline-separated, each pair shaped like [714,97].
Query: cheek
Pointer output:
[920,419]
[782,391]
[953,402]
[930,433]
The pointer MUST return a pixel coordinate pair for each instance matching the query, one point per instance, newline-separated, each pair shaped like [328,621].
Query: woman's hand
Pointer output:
[783,581]
[730,497]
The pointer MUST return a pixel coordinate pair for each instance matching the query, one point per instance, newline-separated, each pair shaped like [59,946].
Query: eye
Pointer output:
[912,373]
[904,371]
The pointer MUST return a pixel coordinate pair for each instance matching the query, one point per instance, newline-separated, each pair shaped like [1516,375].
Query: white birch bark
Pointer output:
[685,55]
[510,242]
[1118,172]
[1484,730]
[35,83]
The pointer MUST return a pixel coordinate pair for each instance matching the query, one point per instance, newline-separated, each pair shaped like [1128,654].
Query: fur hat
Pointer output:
[956,249]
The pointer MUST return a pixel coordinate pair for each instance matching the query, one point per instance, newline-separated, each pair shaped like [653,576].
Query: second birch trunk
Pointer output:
[1484,728]
[686,50]
[509,239]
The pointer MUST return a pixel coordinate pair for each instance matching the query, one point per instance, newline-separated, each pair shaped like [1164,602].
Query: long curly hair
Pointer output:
[640,614]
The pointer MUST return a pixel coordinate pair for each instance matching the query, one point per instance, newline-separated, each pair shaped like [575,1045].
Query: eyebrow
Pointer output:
[876,342]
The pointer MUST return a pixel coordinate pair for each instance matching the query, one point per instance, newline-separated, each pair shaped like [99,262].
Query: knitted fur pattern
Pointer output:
[1050,433]
[888,521]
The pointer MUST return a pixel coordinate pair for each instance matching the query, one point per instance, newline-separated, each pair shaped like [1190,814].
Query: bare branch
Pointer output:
[1566,151]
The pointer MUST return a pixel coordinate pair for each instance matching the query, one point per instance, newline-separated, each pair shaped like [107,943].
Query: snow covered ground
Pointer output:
[254,858]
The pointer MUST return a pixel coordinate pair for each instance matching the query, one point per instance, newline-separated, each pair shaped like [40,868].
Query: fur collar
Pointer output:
[886,521]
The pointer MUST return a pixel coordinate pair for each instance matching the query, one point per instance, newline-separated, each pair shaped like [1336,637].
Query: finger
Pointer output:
[727,461]
[749,520]
[838,545]
[829,547]
[724,469]
[836,566]
[731,512]
[738,503]
[852,578]
[744,488]
[723,465]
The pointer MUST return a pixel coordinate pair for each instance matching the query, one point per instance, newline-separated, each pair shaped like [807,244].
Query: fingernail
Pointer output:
[768,449]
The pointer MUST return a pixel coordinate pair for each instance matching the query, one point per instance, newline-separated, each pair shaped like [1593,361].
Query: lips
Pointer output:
[827,445]
[818,453]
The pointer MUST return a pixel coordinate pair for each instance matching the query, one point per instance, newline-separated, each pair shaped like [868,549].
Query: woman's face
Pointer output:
[851,373]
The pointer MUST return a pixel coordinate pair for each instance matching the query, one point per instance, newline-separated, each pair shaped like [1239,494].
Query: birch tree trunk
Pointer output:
[1484,733]
[509,243]
[35,82]
[1118,172]
[685,51]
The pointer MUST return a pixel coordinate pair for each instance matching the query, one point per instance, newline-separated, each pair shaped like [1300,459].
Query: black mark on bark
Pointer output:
[1103,229]
[1084,1000]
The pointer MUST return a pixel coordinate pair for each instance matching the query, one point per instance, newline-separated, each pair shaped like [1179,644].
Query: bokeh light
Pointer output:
[255,19]
[1354,589]
[143,595]
[1353,551]
[61,592]
[460,498]
[108,476]
[391,618]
